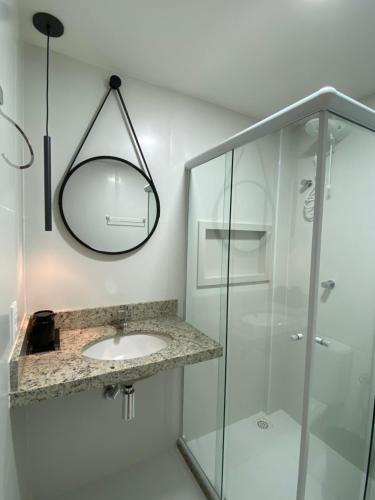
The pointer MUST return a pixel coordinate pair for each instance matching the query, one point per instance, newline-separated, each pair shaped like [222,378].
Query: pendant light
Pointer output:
[49,26]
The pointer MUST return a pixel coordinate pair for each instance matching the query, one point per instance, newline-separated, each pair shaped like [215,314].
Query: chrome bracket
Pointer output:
[111,391]
[321,341]
[296,336]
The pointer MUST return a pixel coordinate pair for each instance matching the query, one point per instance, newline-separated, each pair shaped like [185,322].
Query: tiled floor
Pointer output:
[263,463]
[260,464]
[164,477]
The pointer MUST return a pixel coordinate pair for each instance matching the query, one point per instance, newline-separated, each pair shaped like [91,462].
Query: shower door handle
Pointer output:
[328,285]
[321,341]
[296,336]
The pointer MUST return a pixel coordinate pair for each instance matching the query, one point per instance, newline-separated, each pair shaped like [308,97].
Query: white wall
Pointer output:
[10,233]
[81,438]
[172,128]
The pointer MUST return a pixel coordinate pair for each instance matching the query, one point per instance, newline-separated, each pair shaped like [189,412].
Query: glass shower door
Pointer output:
[206,302]
[269,276]
[342,389]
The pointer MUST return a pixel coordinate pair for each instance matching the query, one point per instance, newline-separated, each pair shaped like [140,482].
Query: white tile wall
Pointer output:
[172,128]
[10,234]
[82,438]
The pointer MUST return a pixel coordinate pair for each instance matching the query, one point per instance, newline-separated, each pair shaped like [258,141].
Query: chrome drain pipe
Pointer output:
[128,402]
[111,392]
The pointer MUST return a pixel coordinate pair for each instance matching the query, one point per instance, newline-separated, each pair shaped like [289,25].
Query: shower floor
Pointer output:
[263,463]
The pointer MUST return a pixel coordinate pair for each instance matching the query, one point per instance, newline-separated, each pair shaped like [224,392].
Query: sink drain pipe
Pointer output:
[128,402]
[128,398]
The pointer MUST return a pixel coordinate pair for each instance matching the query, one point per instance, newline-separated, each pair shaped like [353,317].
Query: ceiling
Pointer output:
[252,56]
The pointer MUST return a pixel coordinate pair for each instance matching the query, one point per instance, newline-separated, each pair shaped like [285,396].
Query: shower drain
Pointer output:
[263,424]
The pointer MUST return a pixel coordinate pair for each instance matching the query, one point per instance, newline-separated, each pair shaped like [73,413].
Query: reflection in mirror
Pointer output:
[109,205]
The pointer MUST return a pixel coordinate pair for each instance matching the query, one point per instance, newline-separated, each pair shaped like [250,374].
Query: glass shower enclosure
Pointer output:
[281,271]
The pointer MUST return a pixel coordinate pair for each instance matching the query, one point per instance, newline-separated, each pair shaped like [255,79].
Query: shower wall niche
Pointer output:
[253,243]
[280,271]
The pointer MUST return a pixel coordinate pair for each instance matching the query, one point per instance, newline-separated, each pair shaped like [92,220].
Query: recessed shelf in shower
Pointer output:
[249,242]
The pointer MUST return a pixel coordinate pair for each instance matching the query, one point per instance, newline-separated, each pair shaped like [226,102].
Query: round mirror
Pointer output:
[109,205]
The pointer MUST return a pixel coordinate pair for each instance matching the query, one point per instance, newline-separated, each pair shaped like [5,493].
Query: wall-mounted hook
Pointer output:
[10,163]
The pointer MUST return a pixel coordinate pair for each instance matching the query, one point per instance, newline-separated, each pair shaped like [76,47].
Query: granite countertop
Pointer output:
[39,377]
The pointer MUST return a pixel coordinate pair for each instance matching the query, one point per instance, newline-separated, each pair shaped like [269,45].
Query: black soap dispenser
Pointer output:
[42,332]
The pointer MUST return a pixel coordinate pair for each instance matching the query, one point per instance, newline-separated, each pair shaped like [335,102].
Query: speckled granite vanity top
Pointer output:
[49,375]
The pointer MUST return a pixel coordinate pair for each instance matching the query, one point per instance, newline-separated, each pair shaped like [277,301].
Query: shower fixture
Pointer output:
[309,203]
[49,26]
[306,183]
[336,131]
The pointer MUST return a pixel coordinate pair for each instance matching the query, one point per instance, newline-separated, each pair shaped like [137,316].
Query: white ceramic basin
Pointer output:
[127,346]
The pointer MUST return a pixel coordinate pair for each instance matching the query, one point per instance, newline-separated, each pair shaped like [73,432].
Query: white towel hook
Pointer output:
[10,163]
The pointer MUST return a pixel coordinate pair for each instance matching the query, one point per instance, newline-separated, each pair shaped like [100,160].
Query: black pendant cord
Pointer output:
[135,135]
[47,83]
[113,87]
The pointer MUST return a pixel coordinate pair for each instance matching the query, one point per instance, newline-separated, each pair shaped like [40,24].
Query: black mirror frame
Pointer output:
[88,160]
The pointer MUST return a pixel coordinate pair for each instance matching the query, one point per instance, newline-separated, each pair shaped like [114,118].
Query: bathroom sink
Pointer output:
[133,345]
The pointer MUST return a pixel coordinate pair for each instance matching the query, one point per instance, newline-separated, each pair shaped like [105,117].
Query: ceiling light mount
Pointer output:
[48,24]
